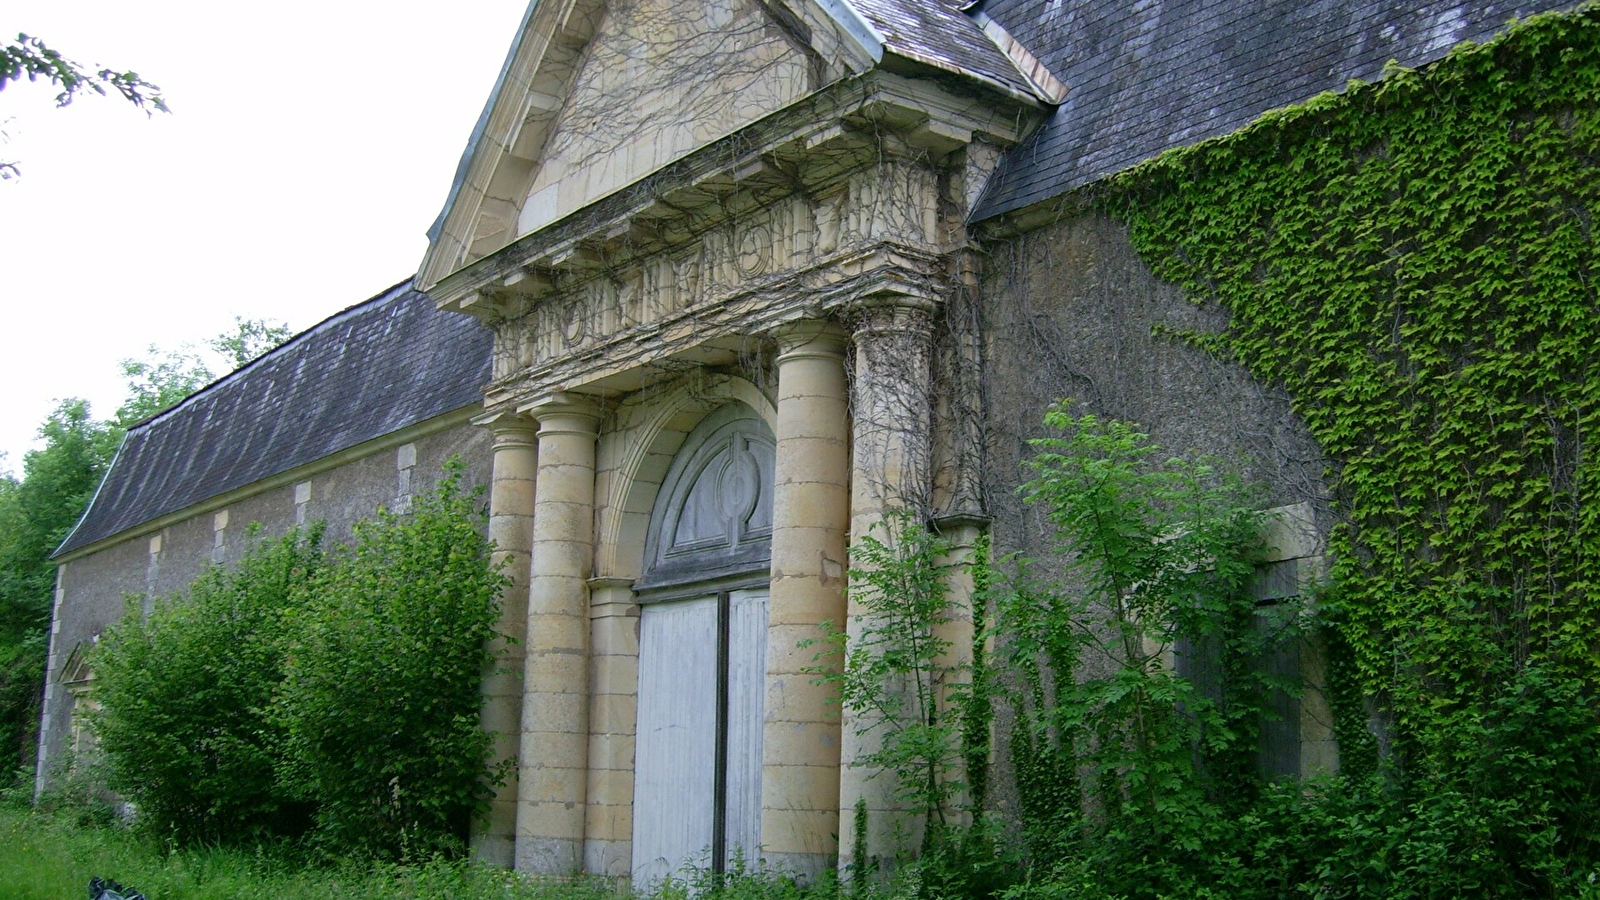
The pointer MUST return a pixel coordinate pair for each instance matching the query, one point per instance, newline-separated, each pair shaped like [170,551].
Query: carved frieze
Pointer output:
[763,260]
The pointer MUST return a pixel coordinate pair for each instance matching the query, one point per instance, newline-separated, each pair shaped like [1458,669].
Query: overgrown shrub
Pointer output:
[380,693]
[184,724]
[334,694]
[21,681]
[898,681]
[1124,764]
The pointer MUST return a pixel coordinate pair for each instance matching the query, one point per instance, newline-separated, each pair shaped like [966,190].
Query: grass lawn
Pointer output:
[52,857]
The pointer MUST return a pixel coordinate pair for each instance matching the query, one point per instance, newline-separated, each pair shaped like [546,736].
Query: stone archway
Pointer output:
[702,651]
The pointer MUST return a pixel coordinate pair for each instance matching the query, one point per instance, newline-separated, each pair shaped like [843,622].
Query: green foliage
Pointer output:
[50,857]
[35,515]
[1126,764]
[977,716]
[37,512]
[163,378]
[1413,261]
[898,680]
[21,677]
[380,693]
[29,57]
[335,692]
[160,381]
[186,694]
[249,340]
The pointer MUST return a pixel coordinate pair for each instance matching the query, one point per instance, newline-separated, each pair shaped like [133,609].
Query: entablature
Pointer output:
[853,193]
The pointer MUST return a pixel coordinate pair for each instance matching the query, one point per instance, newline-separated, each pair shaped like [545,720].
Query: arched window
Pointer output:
[712,522]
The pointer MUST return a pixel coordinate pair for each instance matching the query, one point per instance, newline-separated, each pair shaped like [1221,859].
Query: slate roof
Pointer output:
[935,32]
[368,371]
[1147,75]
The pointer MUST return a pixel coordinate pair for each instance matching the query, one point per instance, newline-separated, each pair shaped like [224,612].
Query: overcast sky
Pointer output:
[310,146]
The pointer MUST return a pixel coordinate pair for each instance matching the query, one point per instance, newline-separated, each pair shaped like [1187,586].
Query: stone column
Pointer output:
[552,771]
[890,470]
[960,632]
[516,460]
[613,720]
[811,507]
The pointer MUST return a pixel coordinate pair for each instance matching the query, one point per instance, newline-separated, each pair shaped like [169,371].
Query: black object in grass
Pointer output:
[104,889]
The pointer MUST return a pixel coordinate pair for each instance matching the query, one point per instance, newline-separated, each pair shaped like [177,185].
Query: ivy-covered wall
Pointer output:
[1413,262]
[1381,301]
[1071,311]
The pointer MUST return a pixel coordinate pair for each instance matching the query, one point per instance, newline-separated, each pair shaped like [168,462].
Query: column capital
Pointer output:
[892,314]
[509,428]
[810,338]
[564,412]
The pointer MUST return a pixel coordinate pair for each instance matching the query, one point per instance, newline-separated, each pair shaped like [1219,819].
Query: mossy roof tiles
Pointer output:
[366,372]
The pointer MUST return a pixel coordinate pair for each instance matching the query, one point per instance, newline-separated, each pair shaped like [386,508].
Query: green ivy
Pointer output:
[1414,261]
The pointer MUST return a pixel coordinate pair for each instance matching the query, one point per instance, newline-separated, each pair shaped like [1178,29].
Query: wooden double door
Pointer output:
[697,760]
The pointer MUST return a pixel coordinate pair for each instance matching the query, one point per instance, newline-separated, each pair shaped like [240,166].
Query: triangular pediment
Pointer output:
[599,93]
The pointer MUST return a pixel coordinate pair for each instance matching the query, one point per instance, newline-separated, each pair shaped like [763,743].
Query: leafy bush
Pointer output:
[1169,803]
[332,693]
[898,680]
[21,677]
[1158,558]
[185,695]
[380,693]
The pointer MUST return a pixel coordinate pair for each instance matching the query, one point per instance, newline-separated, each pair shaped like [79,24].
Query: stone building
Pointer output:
[718,285]
[357,412]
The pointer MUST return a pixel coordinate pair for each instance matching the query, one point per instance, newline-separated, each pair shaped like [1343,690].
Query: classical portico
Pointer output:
[772,293]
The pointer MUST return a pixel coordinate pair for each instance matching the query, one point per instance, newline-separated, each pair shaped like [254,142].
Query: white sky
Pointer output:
[310,146]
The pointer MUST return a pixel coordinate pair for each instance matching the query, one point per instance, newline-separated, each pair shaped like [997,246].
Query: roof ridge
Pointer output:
[388,295]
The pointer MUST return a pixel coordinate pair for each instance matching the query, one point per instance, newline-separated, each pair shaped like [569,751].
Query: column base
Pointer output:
[805,867]
[549,856]
[494,849]
[613,859]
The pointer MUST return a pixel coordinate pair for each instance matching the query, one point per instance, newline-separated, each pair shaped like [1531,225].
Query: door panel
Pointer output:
[674,756]
[747,676]
[676,751]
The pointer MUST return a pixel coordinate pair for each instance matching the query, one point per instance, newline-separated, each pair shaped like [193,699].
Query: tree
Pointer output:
[250,340]
[58,480]
[165,377]
[160,381]
[30,57]
[36,513]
